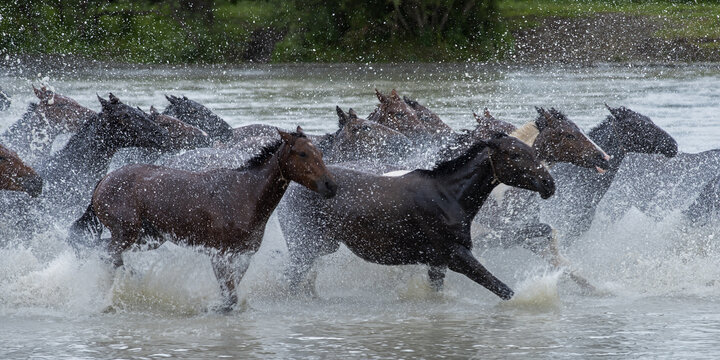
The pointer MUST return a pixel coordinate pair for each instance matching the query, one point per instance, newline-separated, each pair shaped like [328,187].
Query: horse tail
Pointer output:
[88,223]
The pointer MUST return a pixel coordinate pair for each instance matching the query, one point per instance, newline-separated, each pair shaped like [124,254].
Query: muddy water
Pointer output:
[658,279]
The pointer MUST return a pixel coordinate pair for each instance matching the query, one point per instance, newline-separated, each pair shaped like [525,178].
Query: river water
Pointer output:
[655,301]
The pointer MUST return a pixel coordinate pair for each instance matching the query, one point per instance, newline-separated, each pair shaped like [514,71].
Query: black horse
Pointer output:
[196,114]
[72,172]
[580,190]
[422,217]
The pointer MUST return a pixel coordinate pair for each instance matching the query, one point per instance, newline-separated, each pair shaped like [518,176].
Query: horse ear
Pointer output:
[616,112]
[352,114]
[342,116]
[286,137]
[383,99]
[486,112]
[300,131]
[542,121]
[394,95]
[170,98]
[153,110]
[113,99]
[410,101]
[477,117]
[104,103]
[38,92]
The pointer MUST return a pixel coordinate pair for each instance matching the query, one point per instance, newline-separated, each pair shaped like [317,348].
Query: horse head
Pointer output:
[514,163]
[394,113]
[361,139]
[182,135]
[125,126]
[195,114]
[637,133]
[301,161]
[487,125]
[61,113]
[16,176]
[560,140]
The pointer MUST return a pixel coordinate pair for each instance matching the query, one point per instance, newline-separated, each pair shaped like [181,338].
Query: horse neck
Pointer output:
[604,136]
[471,184]
[270,188]
[88,150]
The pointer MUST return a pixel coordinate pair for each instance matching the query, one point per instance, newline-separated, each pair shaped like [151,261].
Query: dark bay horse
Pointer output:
[580,190]
[73,170]
[431,120]
[183,136]
[196,114]
[16,176]
[32,136]
[394,113]
[223,209]
[422,217]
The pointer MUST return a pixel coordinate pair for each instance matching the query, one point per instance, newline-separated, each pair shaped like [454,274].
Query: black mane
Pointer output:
[265,154]
[450,166]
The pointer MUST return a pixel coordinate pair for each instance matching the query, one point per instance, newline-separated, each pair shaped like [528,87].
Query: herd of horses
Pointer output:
[346,187]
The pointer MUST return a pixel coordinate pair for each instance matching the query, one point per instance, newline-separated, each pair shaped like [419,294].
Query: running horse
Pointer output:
[222,209]
[16,176]
[32,136]
[422,217]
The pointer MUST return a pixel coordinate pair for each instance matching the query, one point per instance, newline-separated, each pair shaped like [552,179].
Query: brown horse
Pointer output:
[32,136]
[422,217]
[223,209]
[394,113]
[16,176]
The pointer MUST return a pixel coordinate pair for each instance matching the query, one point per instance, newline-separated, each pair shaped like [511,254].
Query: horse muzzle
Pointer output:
[327,187]
[32,185]
[545,186]
[601,162]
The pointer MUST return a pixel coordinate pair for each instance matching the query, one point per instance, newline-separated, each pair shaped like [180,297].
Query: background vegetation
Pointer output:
[220,31]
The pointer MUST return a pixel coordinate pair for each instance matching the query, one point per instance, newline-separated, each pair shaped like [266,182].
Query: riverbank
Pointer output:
[526,32]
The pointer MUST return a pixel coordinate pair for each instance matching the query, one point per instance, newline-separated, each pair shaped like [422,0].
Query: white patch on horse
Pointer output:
[498,193]
[396,173]
[527,133]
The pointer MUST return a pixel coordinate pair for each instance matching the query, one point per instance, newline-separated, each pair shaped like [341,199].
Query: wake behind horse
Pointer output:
[422,217]
[223,209]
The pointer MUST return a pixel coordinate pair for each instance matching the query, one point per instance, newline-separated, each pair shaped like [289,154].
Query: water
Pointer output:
[658,279]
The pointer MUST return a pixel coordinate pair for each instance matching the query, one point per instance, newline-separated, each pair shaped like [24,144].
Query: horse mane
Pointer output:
[527,133]
[262,157]
[602,126]
[450,166]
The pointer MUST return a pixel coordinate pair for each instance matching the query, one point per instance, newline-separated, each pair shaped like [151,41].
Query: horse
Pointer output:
[195,114]
[32,136]
[222,209]
[72,171]
[431,120]
[183,136]
[512,217]
[356,139]
[705,208]
[394,113]
[422,217]
[16,175]
[580,190]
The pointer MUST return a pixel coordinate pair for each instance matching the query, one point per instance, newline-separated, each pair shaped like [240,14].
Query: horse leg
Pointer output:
[462,261]
[121,239]
[226,277]
[437,277]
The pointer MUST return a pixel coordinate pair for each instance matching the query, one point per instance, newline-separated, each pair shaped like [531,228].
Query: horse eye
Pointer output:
[570,136]
[2,158]
[303,154]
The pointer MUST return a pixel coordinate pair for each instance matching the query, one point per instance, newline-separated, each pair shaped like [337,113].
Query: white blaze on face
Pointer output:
[396,173]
